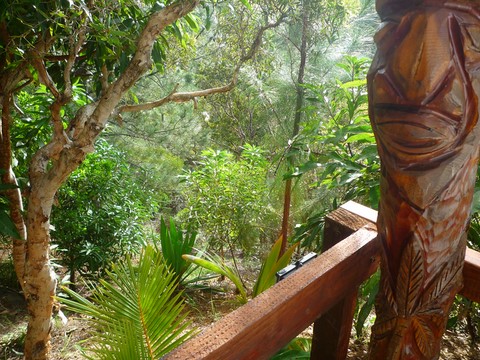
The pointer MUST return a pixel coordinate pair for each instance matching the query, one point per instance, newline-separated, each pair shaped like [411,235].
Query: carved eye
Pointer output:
[423,110]
[410,130]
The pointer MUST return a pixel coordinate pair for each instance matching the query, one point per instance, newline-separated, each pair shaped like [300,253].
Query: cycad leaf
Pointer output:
[174,244]
[271,266]
[136,315]
[220,268]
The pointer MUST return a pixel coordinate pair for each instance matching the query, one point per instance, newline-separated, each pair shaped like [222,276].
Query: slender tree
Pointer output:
[300,97]
[313,28]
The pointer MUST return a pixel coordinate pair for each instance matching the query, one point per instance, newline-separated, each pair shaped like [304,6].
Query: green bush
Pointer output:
[226,198]
[100,214]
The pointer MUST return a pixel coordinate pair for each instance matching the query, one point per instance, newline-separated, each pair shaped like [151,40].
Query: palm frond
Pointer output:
[136,314]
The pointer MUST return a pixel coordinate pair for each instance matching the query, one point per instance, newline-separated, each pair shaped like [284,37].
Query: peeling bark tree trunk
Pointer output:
[53,163]
[423,87]
[13,195]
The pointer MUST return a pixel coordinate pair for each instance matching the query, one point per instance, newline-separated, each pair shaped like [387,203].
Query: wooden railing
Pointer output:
[322,292]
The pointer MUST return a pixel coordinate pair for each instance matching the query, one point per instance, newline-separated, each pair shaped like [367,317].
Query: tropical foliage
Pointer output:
[135,313]
[272,264]
[218,265]
[186,143]
[100,214]
[226,197]
[174,244]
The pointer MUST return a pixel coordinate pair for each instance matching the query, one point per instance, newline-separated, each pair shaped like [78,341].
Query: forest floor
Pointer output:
[204,308]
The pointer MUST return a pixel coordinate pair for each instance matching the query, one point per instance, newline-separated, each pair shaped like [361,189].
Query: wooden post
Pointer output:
[265,324]
[423,87]
[331,332]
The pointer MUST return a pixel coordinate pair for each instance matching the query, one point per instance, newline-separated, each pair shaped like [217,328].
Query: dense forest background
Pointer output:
[249,128]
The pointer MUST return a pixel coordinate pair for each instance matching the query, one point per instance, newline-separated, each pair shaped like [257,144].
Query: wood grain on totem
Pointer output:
[264,325]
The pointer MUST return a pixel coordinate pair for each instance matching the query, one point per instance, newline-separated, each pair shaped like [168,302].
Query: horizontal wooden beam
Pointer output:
[264,325]
[471,276]
[351,214]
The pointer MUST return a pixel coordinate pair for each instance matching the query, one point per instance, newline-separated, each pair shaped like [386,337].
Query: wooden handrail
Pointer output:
[267,323]
[264,325]
[471,276]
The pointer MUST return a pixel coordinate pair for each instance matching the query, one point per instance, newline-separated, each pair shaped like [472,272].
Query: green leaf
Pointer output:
[247,4]
[476,200]
[192,22]
[354,84]
[369,290]
[362,137]
[8,187]
[125,310]
[271,266]
[219,267]
[299,349]
[175,243]
[302,169]
[7,227]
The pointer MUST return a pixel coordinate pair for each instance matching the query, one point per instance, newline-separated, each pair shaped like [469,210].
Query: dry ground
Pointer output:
[204,309]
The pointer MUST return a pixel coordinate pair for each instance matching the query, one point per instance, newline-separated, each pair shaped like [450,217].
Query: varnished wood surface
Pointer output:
[260,328]
[263,326]
[424,109]
[331,332]
[471,276]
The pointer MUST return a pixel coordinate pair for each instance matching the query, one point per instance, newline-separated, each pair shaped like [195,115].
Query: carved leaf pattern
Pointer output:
[441,285]
[388,294]
[383,328]
[424,336]
[410,278]
[436,319]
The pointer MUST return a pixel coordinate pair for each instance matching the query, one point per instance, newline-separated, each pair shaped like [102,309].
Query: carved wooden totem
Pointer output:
[423,87]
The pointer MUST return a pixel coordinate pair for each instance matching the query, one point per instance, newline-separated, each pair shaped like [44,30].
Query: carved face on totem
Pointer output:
[423,105]
[424,108]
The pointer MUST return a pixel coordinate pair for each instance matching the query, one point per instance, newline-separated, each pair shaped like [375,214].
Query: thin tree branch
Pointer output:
[181,97]
[37,62]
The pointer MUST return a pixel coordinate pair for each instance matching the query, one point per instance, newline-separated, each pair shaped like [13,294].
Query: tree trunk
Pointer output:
[424,111]
[300,91]
[40,280]
[13,195]
[53,163]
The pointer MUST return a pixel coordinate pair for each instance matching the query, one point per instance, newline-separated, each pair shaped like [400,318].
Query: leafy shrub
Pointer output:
[339,125]
[339,142]
[100,214]
[226,198]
